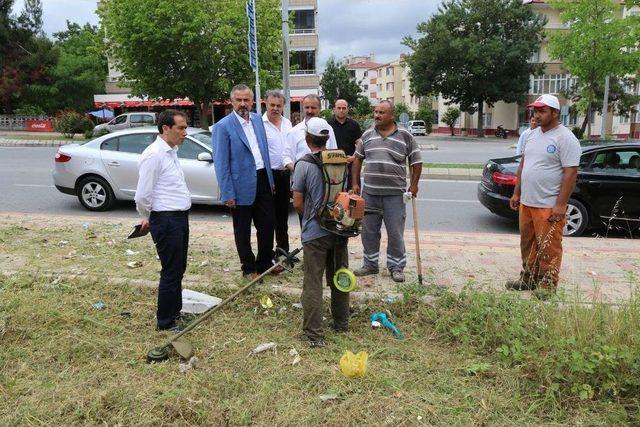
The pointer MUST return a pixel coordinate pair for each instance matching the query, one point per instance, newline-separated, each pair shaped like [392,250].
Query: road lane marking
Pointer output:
[447,200]
[34,185]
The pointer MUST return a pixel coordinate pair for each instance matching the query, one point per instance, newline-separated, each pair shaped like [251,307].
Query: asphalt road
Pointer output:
[451,150]
[26,186]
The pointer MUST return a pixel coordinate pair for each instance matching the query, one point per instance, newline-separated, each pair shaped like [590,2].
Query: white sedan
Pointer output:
[105,169]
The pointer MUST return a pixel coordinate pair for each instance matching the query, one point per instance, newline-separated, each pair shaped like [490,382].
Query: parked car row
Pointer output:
[607,190]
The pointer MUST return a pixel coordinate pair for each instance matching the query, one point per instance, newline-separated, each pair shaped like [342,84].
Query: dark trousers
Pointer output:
[323,255]
[262,213]
[281,199]
[170,233]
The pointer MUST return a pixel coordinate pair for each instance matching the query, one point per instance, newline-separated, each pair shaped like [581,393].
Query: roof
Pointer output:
[364,64]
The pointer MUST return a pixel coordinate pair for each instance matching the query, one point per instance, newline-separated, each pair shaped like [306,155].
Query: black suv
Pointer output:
[607,190]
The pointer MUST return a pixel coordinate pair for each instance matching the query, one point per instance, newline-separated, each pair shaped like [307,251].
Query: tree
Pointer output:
[337,83]
[450,117]
[598,42]
[181,48]
[475,52]
[400,108]
[425,113]
[80,71]
[362,107]
[26,56]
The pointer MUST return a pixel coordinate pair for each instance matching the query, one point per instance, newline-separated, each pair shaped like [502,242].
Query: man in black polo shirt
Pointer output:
[347,132]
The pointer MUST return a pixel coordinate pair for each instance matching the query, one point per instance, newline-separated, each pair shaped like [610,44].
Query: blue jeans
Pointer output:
[170,233]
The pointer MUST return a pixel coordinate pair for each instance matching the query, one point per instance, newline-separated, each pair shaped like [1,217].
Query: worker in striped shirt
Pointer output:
[387,149]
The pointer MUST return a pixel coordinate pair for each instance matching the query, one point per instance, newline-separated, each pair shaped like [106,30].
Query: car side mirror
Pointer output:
[205,157]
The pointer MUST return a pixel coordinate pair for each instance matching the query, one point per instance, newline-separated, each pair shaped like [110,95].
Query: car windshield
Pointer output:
[203,137]
[417,124]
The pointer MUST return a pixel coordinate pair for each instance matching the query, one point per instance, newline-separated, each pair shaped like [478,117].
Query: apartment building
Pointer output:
[362,68]
[554,80]
[303,48]
[391,82]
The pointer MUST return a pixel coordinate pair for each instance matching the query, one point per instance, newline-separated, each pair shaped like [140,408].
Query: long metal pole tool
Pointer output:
[417,238]
[184,347]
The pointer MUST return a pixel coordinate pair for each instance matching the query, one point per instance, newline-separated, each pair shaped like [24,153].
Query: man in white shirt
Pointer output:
[277,128]
[523,137]
[296,142]
[163,201]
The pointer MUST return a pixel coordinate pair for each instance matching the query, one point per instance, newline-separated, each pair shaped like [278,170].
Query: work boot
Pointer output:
[397,276]
[520,285]
[365,271]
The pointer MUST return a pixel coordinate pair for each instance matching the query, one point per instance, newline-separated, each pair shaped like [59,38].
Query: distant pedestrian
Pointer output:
[246,183]
[163,201]
[523,137]
[546,178]
[387,150]
[277,128]
[347,133]
[296,142]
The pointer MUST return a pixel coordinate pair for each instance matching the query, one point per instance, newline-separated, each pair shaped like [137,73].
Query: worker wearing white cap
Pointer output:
[546,178]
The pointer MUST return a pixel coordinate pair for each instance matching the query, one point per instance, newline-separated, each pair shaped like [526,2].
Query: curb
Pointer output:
[28,143]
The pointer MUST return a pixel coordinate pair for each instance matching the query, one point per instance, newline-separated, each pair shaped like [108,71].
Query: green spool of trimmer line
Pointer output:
[344,280]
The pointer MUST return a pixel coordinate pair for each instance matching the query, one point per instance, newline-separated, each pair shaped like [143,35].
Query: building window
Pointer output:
[352,73]
[303,62]
[366,87]
[389,86]
[487,119]
[304,21]
[551,83]
[535,57]
[366,73]
[389,71]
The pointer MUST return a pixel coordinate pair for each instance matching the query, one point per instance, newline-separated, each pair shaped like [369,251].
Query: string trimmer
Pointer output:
[184,347]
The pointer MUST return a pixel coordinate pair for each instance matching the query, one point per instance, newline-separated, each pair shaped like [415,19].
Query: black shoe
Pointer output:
[171,330]
[365,271]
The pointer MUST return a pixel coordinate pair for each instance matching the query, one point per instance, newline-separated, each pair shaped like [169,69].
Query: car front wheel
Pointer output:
[577,218]
[95,194]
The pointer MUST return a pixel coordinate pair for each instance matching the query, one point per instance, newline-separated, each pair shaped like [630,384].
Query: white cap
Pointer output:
[317,127]
[548,100]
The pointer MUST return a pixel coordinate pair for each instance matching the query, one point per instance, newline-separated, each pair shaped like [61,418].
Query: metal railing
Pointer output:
[303,31]
[303,72]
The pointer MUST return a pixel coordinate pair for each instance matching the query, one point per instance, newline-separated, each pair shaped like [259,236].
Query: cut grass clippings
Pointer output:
[65,362]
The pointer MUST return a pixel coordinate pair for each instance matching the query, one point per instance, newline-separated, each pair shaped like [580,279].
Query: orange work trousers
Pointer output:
[541,247]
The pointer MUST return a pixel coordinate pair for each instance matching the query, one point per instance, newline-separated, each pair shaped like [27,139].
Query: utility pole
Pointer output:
[605,109]
[285,59]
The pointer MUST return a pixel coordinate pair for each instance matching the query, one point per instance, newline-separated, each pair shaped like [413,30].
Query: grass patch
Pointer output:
[454,165]
[472,358]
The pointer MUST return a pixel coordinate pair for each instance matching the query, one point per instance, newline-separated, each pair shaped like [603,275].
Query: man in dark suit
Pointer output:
[246,181]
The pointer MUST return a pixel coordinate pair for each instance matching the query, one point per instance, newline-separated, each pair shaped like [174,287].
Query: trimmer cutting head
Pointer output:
[158,355]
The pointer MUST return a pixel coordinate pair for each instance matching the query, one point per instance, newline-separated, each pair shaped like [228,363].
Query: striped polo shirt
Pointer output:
[386,171]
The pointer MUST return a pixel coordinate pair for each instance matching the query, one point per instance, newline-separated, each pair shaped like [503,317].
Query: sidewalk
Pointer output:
[593,269]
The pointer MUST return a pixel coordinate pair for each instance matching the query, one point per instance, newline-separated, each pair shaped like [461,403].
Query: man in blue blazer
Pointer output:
[246,183]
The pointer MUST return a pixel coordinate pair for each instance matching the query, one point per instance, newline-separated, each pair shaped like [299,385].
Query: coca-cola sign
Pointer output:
[38,125]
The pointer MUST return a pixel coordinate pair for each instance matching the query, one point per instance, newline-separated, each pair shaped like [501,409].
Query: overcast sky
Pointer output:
[356,27]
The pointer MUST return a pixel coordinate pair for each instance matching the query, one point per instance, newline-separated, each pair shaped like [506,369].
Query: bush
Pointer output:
[570,350]
[425,113]
[30,111]
[71,122]
[450,117]
[326,114]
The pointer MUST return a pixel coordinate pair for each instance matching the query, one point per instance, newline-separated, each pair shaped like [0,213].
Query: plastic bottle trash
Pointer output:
[354,365]
[99,305]
[407,196]
[85,226]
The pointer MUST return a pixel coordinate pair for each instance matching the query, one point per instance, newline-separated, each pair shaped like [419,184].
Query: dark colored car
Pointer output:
[607,189]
